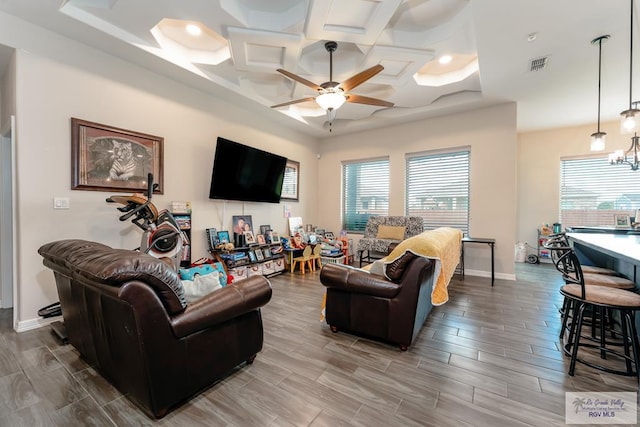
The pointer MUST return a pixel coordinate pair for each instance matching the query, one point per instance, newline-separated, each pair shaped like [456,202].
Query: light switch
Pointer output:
[61,203]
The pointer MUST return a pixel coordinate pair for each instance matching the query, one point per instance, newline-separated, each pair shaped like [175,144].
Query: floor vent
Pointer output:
[538,64]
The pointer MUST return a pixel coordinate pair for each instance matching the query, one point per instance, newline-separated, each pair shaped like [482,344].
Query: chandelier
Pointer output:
[630,157]
[629,117]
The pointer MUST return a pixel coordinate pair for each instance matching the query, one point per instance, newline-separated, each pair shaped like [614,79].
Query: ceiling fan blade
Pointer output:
[359,99]
[360,78]
[299,79]
[297,101]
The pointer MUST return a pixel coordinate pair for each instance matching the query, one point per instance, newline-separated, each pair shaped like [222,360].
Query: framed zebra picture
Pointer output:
[106,158]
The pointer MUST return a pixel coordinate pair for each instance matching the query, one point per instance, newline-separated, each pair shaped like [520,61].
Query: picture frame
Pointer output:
[259,255]
[266,252]
[107,158]
[212,236]
[249,238]
[291,183]
[275,237]
[622,221]
[260,239]
[265,228]
[223,237]
[295,222]
[242,223]
[252,256]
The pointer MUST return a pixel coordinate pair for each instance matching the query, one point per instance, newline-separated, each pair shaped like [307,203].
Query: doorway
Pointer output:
[7,215]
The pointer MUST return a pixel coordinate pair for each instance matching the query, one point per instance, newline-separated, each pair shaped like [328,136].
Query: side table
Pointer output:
[488,241]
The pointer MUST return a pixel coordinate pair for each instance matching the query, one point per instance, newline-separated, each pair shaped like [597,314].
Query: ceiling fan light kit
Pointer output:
[331,100]
[332,95]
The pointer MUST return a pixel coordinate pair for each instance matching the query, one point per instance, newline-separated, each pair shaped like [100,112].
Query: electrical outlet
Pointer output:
[61,203]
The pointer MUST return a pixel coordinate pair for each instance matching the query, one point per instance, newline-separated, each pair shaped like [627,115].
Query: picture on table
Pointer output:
[223,237]
[249,238]
[275,237]
[260,239]
[259,255]
[622,220]
[252,256]
[264,229]
[242,223]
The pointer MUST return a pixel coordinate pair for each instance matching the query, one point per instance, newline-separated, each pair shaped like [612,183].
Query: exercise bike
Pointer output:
[161,236]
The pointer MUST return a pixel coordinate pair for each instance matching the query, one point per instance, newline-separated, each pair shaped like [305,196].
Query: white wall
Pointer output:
[57,79]
[539,155]
[491,134]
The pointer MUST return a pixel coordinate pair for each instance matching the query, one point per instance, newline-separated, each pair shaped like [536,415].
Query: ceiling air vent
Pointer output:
[538,64]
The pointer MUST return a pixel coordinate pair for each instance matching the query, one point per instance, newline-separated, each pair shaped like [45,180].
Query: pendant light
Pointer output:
[598,138]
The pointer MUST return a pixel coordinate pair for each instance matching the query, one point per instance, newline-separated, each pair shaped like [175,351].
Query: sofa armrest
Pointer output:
[352,279]
[221,305]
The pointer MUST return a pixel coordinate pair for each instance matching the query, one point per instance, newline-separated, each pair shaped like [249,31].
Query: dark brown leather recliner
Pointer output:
[125,312]
[388,309]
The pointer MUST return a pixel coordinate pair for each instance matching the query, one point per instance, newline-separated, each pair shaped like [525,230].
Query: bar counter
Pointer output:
[614,250]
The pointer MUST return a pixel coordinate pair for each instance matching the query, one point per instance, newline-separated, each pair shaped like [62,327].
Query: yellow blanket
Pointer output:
[443,245]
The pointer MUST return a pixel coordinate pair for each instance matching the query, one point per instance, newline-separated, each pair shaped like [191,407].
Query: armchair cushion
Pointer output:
[391,232]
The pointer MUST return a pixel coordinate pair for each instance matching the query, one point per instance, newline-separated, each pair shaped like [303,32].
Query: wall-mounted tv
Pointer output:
[245,173]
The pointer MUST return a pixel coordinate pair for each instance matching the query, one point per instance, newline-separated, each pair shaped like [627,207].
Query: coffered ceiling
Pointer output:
[491,44]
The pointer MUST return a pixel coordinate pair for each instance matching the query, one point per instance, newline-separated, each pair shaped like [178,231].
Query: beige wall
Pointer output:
[491,134]
[83,83]
[539,155]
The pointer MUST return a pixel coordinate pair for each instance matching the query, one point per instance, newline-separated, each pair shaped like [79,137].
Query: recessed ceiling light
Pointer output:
[194,30]
[445,59]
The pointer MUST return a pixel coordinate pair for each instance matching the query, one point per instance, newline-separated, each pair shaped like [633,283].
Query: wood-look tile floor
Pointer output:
[489,357]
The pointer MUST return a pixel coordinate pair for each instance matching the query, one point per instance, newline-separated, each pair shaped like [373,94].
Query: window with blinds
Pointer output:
[365,192]
[592,191]
[438,188]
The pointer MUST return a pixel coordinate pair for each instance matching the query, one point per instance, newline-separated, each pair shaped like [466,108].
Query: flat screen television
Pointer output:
[245,173]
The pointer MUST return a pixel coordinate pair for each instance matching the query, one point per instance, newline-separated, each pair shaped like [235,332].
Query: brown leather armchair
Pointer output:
[125,313]
[390,309]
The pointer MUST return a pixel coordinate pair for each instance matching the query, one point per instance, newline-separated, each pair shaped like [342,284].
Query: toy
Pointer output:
[225,246]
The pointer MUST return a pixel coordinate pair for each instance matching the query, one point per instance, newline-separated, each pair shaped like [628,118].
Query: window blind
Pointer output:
[365,192]
[592,191]
[438,188]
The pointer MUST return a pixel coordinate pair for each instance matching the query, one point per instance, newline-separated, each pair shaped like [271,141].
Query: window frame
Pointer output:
[347,200]
[429,222]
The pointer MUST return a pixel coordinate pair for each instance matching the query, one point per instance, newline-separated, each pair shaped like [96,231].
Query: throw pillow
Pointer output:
[377,268]
[394,270]
[200,286]
[393,232]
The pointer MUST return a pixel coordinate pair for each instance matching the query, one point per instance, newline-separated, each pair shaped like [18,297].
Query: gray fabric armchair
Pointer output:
[374,244]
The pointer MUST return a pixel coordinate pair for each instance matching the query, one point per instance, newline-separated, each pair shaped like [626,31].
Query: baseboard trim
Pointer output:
[39,322]
[481,273]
